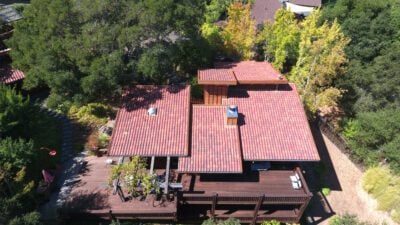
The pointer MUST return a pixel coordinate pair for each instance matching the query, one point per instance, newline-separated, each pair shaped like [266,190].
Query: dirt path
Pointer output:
[347,195]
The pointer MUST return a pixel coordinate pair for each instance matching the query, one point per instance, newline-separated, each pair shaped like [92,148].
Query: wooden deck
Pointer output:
[251,197]
[272,182]
[92,197]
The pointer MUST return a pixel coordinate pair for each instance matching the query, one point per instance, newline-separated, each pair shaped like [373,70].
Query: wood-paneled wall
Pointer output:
[213,94]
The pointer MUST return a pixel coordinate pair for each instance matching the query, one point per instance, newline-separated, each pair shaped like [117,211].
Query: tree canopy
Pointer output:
[85,50]
[280,39]
[240,33]
[321,59]
[371,79]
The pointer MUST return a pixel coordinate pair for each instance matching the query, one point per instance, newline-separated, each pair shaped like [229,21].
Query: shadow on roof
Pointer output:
[142,96]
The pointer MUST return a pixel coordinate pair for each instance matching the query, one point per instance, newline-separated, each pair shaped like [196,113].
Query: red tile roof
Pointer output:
[215,146]
[252,72]
[274,126]
[9,75]
[166,134]
[216,76]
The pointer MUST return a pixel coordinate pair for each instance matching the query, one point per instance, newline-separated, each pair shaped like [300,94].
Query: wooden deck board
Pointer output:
[93,195]
[271,182]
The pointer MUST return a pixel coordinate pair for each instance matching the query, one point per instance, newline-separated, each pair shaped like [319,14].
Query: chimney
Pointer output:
[232,115]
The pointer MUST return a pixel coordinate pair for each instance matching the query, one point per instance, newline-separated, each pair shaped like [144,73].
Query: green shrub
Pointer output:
[92,114]
[345,219]
[271,222]
[102,140]
[376,180]
[389,199]
[385,187]
[230,221]
[32,218]
[326,191]
[196,89]
[395,214]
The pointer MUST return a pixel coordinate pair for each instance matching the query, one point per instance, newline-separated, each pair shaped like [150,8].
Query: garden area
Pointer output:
[30,144]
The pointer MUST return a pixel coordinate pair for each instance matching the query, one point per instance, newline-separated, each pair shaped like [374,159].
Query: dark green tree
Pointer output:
[16,113]
[371,78]
[88,50]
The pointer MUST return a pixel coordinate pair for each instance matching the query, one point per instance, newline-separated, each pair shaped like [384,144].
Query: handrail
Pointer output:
[303,181]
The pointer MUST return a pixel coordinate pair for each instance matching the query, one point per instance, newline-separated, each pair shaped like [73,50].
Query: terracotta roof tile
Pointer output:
[273,126]
[252,72]
[166,134]
[8,75]
[215,146]
[216,76]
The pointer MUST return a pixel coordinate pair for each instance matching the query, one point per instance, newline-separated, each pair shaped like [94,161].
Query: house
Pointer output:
[233,155]
[263,10]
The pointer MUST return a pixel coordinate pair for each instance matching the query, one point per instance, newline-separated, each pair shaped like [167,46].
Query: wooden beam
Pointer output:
[214,204]
[302,209]
[152,165]
[256,209]
[167,174]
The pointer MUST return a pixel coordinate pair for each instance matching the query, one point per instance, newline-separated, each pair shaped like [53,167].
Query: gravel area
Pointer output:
[347,196]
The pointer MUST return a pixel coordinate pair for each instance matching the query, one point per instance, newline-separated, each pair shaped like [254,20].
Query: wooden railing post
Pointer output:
[256,209]
[214,204]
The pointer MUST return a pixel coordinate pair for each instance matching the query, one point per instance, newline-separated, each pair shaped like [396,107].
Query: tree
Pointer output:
[16,113]
[239,34]
[374,27]
[280,39]
[374,136]
[321,59]
[86,51]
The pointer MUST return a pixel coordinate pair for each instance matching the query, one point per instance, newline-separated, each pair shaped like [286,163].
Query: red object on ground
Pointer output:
[53,152]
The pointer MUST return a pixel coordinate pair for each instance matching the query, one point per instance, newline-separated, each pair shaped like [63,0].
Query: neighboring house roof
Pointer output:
[274,126]
[216,76]
[166,134]
[9,75]
[315,3]
[215,147]
[265,9]
[253,72]
[8,14]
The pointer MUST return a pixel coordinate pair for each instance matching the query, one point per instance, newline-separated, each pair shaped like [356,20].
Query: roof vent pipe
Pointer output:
[152,111]
[232,115]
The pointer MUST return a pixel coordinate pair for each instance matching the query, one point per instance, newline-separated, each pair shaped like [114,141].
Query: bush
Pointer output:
[92,114]
[385,187]
[271,222]
[326,191]
[102,140]
[16,114]
[374,136]
[196,89]
[32,218]
[230,221]
[345,219]
[16,154]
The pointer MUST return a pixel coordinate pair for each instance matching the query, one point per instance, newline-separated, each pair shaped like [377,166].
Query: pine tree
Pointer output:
[321,59]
